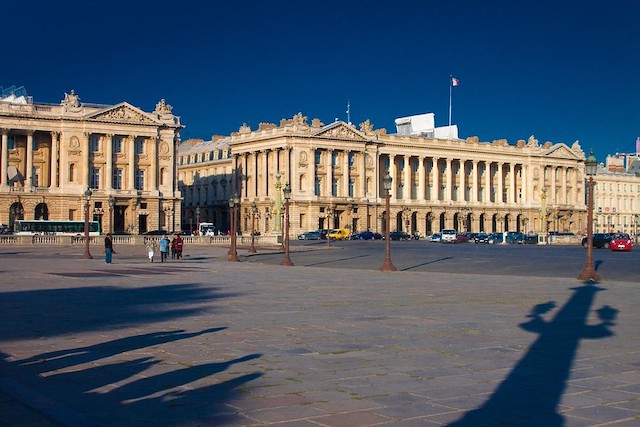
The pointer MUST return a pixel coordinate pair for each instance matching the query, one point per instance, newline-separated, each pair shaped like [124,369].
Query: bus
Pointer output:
[26,227]
[206,229]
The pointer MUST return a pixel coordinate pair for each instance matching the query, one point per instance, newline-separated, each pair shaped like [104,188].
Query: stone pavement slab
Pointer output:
[206,342]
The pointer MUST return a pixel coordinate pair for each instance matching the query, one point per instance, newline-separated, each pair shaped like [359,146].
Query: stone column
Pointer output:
[474,182]
[86,160]
[28,183]
[524,185]
[53,167]
[329,173]
[345,174]
[408,182]
[552,197]
[287,165]
[563,197]
[488,188]
[155,164]
[421,193]
[448,186]
[463,181]
[393,172]
[4,158]
[500,190]
[108,142]
[264,183]
[362,174]
[132,161]
[435,171]
[512,183]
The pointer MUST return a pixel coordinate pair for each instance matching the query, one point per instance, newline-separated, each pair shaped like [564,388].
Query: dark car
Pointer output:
[495,238]
[600,240]
[481,238]
[363,235]
[310,235]
[399,235]
[377,236]
[514,237]
[530,239]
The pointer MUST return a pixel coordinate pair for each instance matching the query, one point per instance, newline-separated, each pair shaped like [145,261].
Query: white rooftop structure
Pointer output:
[425,125]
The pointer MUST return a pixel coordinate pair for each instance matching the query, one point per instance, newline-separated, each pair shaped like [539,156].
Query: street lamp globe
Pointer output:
[112,202]
[231,202]
[591,164]
[88,193]
[287,192]
[386,182]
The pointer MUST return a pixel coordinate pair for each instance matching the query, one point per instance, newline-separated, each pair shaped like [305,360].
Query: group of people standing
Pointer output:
[164,245]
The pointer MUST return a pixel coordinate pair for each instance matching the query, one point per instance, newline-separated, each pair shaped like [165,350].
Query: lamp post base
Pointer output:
[388,266]
[287,262]
[589,273]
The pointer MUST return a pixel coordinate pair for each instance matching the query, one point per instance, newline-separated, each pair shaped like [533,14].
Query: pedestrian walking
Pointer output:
[173,248]
[108,249]
[164,248]
[152,247]
[178,245]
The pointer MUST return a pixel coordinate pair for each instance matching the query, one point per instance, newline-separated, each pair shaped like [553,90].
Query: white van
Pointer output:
[449,235]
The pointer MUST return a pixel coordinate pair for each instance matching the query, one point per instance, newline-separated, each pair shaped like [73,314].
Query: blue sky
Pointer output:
[559,70]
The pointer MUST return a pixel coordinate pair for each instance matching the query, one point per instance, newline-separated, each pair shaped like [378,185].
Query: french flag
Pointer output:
[454,81]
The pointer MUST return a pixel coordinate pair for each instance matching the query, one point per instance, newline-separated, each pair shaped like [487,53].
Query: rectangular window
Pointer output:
[139,179]
[117,179]
[317,189]
[352,158]
[11,142]
[117,144]
[352,185]
[334,158]
[94,142]
[318,157]
[139,144]
[334,187]
[95,178]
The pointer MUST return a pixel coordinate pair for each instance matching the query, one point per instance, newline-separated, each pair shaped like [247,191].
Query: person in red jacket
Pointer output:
[178,245]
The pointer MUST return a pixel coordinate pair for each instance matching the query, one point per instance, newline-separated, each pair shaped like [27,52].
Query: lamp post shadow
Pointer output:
[532,391]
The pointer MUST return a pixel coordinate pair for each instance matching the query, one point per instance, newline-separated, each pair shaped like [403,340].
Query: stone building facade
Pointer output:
[617,196]
[51,153]
[335,172]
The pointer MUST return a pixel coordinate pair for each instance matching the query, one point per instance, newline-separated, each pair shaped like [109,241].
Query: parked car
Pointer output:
[462,238]
[339,234]
[514,237]
[362,235]
[377,236]
[530,239]
[481,238]
[600,240]
[495,238]
[435,237]
[399,235]
[310,235]
[449,235]
[621,242]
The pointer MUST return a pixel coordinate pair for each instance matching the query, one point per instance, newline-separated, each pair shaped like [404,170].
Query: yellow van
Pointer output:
[339,234]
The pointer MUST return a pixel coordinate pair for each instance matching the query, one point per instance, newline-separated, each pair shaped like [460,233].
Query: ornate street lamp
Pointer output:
[589,271]
[87,195]
[254,213]
[330,212]
[287,196]
[112,203]
[234,203]
[387,265]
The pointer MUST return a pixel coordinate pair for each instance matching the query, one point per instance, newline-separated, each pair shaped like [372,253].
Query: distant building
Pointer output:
[51,153]
[617,196]
[335,172]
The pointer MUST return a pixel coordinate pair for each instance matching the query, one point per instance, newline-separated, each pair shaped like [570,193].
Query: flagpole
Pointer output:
[450,88]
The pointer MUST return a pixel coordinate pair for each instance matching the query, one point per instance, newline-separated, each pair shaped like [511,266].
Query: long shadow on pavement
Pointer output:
[124,381]
[531,393]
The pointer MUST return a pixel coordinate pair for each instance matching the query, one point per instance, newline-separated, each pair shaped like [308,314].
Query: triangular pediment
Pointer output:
[122,113]
[561,151]
[341,130]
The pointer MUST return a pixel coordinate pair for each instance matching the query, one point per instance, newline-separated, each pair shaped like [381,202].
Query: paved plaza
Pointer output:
[205,342]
